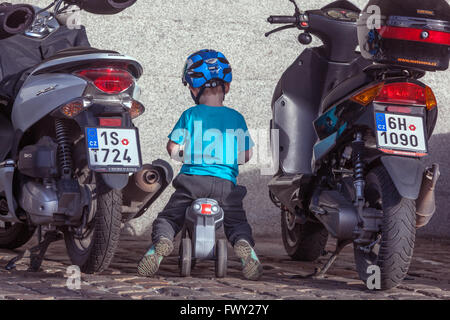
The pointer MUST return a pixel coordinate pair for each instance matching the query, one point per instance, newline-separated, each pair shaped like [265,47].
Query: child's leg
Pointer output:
[169,222]
[239,232]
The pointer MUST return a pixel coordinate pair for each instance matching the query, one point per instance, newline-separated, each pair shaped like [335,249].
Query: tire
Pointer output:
[185,257]
[15,235]
[95,252]
[221,258]
[394,251]
[303,242]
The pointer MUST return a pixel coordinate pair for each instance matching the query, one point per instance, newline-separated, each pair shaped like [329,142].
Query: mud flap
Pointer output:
[406,173]
[115,180]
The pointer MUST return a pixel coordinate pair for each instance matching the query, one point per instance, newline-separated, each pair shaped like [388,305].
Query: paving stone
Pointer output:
[428,278]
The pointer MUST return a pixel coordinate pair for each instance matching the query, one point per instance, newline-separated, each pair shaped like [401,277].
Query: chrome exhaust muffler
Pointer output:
[426,203]
[142,185]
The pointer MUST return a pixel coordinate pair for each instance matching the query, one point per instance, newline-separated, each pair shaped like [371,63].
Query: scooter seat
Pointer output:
[76,51]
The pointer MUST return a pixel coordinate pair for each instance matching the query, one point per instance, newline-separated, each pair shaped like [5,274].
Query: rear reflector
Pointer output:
[419,35]
[399,109]
[108,80]
[110,122]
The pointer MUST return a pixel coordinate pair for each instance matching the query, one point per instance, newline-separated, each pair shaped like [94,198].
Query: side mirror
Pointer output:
[103,6]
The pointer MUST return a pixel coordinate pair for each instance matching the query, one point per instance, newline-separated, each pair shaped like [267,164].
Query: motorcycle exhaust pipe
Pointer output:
[103,6]
[426,203]
[142,185]
[15,19]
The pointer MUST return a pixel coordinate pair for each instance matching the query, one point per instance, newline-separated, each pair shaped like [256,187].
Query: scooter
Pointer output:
[203,218]
[353,130]
[71,164]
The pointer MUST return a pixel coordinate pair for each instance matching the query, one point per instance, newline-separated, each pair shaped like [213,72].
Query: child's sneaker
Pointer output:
[252,268]
[149,264]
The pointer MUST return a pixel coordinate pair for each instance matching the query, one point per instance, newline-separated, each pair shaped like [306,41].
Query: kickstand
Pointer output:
[320,272]
[36,254]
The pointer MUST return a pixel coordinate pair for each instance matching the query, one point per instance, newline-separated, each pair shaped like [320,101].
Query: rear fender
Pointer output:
[115,180]
[406,173]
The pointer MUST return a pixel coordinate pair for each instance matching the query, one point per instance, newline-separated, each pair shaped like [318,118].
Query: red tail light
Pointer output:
[411,34]
[402,93]
[108,80]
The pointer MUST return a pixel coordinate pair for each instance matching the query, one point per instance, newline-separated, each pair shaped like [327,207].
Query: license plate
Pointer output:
[113,149]
[401,134]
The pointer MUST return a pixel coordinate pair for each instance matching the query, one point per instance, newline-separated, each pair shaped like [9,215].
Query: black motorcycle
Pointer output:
[354,129]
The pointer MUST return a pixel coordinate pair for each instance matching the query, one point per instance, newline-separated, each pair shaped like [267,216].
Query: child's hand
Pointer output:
[176,151]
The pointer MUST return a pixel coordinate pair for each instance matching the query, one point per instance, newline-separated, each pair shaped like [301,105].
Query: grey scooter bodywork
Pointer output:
[297,103]
[48,87]
[44,90]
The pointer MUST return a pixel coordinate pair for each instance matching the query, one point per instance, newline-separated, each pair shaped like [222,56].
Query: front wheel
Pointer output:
[93,248]
[14,235]
[221,258]
[394,250]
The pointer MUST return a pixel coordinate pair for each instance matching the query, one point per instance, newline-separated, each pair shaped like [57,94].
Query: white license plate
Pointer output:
[113,149]
[401,134]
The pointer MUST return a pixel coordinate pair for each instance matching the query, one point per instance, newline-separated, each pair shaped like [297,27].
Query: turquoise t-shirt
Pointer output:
[213,138]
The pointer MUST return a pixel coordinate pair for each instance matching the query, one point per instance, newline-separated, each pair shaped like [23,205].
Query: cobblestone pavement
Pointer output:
[428,277]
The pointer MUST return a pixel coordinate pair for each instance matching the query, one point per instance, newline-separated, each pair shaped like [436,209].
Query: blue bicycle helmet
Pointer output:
[206,69]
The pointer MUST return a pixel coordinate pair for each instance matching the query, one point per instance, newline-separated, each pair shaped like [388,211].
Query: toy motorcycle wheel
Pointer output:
[185,234]
[221,258]
[185,257]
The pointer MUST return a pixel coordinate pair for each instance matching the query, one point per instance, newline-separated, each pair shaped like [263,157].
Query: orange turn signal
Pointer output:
[136,109]
[368,95]
[72,109]
[430,98]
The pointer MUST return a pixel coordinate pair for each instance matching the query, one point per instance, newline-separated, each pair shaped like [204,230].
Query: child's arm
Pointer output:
[175,150]
[245,156]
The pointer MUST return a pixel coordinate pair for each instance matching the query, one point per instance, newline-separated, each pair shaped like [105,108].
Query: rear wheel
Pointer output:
[303,242]
[93,248]
[394,250]
[14,235]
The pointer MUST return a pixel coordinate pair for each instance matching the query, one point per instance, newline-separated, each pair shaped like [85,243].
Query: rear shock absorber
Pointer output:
[64,149]
[359,182]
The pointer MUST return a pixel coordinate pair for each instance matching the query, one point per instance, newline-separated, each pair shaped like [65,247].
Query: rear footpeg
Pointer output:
[426,203]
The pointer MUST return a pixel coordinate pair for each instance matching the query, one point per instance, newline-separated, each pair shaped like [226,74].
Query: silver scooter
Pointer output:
[71,163]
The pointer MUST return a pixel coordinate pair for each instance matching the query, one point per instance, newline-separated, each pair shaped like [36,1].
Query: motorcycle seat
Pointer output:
[76,51]
[344,89]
